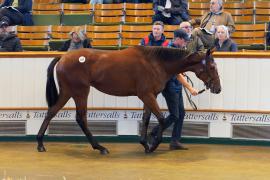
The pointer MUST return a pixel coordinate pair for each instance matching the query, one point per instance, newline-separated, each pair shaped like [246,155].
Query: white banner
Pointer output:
[99,115]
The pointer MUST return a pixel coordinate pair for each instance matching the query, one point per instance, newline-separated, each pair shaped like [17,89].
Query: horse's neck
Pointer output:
[181,66]
[190,65]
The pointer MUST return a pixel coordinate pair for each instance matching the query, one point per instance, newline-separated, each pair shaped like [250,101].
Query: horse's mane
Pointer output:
[163,53]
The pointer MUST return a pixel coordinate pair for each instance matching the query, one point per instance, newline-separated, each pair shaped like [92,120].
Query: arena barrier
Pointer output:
[241,111]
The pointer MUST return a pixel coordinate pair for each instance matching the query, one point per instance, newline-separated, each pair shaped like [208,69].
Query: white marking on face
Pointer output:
[82,59]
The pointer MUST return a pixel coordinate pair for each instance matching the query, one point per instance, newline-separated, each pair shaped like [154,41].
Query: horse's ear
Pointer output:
[208,53]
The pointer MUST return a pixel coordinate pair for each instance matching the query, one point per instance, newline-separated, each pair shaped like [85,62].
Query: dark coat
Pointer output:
[152,41]
[195,44]
[86,44]
[178,8]
[10,43]
[228,45]
[25,7]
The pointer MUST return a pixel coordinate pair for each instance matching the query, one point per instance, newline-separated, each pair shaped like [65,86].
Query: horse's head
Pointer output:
[208,73]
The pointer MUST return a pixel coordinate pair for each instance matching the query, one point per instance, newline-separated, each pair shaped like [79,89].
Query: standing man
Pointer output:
[195,43]
[173,92]
[209,21]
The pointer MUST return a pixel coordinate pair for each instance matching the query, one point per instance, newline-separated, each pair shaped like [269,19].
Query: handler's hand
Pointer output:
[193,91]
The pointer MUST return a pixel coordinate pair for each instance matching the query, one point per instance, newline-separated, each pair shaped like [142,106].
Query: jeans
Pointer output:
[176,109]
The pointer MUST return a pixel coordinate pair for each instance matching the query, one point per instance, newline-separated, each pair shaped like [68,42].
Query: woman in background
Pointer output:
[223,42]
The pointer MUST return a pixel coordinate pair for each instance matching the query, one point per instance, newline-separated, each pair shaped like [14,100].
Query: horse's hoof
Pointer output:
[153,147]
[41,149]
[147,151]
[104,152]
[145,145]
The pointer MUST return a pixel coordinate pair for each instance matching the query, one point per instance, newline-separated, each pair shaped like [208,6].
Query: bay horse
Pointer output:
[135,71]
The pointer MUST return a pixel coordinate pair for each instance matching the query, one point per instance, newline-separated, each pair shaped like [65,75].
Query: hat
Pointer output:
[3,23]
[179,33]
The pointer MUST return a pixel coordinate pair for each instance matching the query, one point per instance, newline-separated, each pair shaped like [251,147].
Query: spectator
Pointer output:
[77,40]
[156,37]
[170,11]
[210,21]
[16,12]
[195,43]
[9,42]
[223,42]
[96,2]
[174,98]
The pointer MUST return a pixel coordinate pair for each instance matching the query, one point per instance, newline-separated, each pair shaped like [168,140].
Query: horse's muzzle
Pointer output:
[215,90]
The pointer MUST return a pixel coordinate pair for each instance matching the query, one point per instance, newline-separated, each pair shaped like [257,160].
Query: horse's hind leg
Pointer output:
[145,123]
[52,111]
[81,113]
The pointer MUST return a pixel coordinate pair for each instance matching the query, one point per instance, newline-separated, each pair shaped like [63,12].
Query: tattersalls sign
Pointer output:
[196,116]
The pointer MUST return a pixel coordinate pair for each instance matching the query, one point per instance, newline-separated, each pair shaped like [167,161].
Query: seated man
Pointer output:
[195,43]
[170,11]
[156,37]
[9,42]
[16,12]
[210,21]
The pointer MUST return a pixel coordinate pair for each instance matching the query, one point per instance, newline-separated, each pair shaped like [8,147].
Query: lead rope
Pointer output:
[191,102]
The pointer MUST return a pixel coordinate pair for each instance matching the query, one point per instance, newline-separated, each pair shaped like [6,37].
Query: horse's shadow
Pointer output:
[134,154]
[162,154]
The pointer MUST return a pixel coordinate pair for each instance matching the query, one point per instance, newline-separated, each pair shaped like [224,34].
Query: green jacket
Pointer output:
[195,44]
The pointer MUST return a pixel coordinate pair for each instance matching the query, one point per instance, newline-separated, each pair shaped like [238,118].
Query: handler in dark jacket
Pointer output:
[17,12]
[9,42]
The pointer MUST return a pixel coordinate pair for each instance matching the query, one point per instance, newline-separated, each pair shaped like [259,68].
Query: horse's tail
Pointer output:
[51,90]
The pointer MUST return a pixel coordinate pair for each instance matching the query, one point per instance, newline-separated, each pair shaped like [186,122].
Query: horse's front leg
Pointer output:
[150,101]
[145,123]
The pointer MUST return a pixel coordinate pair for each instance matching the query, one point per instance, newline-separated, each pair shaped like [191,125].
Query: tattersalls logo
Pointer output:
[138,115]
[201,116]
[41,114]
[11,115]
[103,115]
[250,118]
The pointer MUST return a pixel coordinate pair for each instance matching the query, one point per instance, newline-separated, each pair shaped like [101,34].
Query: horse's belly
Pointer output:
[114,90]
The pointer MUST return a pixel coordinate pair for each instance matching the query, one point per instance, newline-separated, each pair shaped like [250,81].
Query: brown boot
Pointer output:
[176,145]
